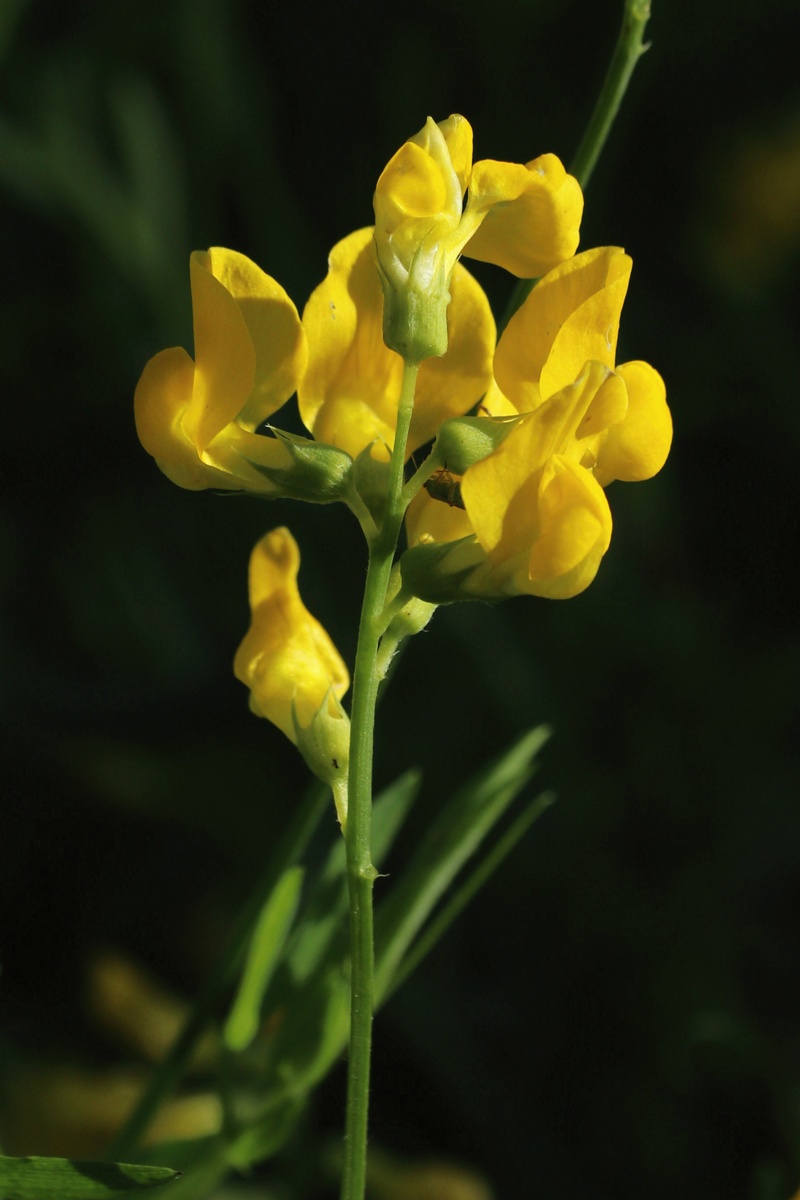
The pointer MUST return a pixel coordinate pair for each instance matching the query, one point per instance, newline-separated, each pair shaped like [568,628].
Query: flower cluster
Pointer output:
[527,432]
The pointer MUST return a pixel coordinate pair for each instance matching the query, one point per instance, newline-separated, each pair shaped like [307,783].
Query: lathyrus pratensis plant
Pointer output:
[396,355]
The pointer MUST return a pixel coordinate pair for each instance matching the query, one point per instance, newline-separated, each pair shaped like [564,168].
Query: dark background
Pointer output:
[619,1014]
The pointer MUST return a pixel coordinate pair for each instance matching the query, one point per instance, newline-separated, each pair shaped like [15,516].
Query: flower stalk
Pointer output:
[361,873]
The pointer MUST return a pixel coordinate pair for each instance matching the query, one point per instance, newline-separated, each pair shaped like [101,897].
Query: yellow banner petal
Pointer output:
[570,317]
[275,331]
[350,391]
[225,359]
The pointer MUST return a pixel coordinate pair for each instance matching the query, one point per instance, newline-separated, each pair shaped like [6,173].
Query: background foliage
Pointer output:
[618,1016]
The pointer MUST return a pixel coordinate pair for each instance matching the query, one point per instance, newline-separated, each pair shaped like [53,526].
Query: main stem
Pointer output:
[361,874]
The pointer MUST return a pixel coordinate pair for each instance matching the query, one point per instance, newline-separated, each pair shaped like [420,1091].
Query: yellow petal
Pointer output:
[532,215]
[161,402]
[286,659]
[410,186]
[275,331]
[457,133]
[570,317]
[348,396]
[429,520]
[574,530]
[225,359]
[638,446]
[500,492]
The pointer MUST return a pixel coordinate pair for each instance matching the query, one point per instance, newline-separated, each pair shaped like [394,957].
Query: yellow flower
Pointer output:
[348,396]
[197,418]
[535,518]
[525,218]
[287,659]
[295,673]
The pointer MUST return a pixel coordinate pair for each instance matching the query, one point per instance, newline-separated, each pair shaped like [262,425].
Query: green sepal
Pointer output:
[316,472]
[39,1178]
[415,317]
[463,441]
[438,571]
[325,746]
[370,480]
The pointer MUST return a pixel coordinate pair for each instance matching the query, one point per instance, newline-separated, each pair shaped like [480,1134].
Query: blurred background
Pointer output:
[619,1013]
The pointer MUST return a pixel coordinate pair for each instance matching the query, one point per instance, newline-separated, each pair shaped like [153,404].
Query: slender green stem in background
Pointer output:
[361,874]
[627,52]
[167,1074]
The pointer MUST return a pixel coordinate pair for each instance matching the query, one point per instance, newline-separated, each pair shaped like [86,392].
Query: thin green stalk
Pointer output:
[627,52]
[629,49]
[167,1074]
[361,874]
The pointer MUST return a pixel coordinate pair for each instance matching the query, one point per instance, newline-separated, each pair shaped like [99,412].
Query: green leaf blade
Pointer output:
[463,824]
[40,1178]
[266,944]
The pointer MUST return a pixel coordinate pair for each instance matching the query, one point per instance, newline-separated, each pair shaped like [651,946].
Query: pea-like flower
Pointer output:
[522,217]
[349,394]
[535,518]
[295,674]
[198,417]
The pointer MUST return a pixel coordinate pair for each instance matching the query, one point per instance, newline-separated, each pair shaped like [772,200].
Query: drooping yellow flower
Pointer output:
[535,518]
[287,658]
[349,394]
[524,218]
[197,417]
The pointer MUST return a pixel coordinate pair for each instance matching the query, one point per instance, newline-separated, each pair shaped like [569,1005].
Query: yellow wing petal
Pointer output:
[348,396]
[532,215]
[160,405]
[638,446]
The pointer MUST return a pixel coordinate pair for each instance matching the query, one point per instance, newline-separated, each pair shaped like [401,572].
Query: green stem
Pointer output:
[627,52]
[361,874]
[167,1074]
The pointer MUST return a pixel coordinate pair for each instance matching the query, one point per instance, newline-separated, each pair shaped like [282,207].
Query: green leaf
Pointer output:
[310,994]
[266,945]
[68,1179]
[462,825]
[468,888]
